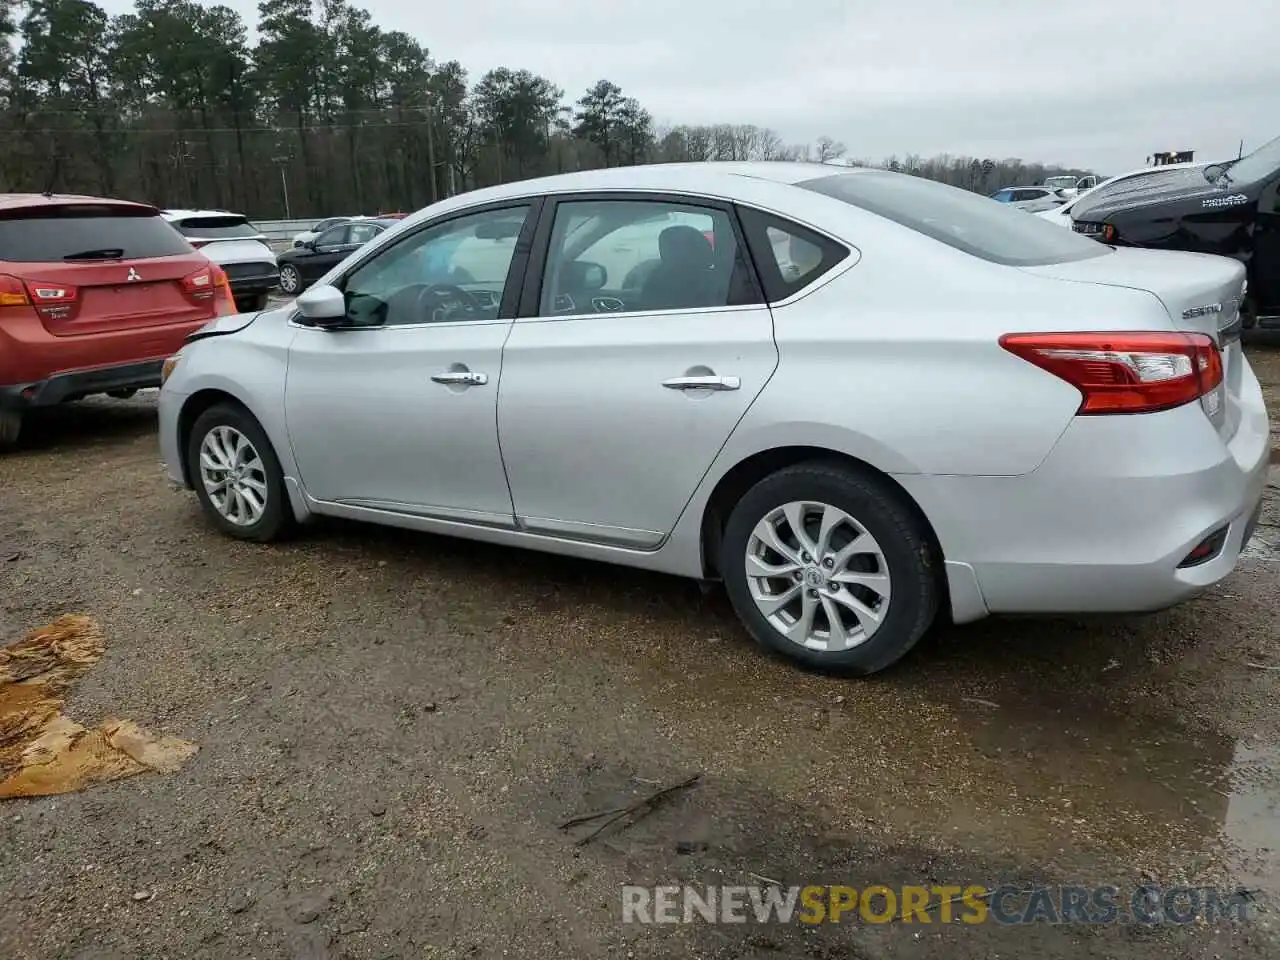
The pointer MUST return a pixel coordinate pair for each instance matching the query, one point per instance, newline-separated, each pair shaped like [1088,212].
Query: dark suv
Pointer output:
[1231,209]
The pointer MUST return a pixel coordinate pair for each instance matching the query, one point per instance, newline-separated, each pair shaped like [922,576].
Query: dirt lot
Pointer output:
[391,726]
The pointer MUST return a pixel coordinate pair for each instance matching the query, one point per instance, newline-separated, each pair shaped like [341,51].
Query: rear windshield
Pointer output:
[87,233]
[217,228]
[967,221]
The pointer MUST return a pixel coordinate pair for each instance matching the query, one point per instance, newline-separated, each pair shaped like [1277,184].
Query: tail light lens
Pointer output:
[225,302]
[12,292]
[1125,372]
[199,285]
[53,301]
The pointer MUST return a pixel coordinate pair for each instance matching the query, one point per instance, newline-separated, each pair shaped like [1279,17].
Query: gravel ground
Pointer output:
[391,727]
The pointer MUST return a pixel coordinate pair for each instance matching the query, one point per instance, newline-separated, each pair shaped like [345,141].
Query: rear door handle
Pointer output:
[702,383]
[464,377]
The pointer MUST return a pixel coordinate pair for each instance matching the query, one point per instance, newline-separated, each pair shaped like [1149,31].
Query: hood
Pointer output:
[1159,186]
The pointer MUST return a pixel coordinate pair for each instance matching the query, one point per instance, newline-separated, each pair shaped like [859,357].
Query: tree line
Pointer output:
[326,113]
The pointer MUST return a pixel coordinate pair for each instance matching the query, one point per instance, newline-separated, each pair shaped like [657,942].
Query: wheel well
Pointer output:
[196,404]
[734,484]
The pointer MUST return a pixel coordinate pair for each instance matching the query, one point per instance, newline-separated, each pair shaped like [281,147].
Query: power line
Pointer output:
[196,131]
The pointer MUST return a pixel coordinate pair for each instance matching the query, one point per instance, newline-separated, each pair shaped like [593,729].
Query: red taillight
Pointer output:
[53,301]
[711,238]
[12,292]
[226,303]
[199,285]
[1125,372]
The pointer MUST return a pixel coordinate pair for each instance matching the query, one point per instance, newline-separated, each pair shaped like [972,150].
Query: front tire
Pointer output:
[829,566]
[237,476]
[290,280]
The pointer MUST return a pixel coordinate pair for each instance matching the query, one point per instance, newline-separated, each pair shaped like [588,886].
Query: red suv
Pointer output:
[94,295]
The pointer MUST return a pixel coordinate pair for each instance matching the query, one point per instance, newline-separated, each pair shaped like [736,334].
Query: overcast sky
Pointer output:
[1098,84]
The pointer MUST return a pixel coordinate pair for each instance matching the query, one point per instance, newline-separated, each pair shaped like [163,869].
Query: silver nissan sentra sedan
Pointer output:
[859,399]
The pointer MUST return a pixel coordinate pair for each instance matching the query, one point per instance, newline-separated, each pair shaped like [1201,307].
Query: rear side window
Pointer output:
[217,228]
[958,218]
[81,232]
[788,256]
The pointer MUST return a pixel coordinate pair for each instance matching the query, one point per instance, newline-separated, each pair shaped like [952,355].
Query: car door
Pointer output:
[396,410]
[642,339]
[328,250]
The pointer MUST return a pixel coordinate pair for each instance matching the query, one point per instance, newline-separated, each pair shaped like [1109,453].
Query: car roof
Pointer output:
[716,178]
[26,201]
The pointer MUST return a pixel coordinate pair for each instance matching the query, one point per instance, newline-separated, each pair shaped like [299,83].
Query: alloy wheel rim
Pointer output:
[233,475]
[817,576]
[289,279]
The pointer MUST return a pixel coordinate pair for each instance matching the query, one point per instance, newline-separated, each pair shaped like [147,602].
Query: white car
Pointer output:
[1062,215]
[860,399]
[238,247]
[299,239]
[1030,199]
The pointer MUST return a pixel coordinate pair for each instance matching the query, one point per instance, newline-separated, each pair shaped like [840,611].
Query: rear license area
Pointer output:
[110,307]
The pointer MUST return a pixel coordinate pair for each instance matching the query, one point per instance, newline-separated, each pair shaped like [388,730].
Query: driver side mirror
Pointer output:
[309,244]
[323,306]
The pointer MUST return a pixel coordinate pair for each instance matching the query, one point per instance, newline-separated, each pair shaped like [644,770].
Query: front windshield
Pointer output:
[1256,166]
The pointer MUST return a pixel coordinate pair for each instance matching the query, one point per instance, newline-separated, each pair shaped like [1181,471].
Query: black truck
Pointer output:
[1231,209]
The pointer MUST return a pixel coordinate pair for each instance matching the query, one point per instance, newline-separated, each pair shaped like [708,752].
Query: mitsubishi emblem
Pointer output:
[133,275]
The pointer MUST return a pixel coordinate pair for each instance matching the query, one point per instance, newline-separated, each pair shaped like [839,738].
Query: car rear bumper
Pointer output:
[62,387]
[259,283]
[1105,524]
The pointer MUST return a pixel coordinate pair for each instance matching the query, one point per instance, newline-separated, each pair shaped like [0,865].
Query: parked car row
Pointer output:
[1229,209]
[781,376]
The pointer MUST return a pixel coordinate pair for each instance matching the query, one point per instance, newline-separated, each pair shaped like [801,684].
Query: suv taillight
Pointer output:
[226,303]
[199,285]
[12,292]
[1125,372]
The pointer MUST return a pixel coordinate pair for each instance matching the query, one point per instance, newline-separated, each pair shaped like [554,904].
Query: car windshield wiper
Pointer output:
[102,253]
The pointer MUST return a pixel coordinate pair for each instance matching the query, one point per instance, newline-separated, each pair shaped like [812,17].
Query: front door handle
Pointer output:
[463,377]
[702,383]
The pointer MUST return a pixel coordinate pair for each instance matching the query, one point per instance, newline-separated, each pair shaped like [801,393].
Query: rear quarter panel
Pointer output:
[897,360]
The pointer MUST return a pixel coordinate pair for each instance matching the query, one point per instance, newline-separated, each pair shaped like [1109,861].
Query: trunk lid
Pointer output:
[1202,294]
[101,297]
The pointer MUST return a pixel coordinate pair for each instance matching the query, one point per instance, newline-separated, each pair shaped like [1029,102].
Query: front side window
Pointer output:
[613,256]
[333,237]
[453,271]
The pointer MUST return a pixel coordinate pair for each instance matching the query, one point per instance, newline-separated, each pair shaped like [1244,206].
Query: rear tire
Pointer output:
[237,476]
[854,592]
[290,280]
[10,427]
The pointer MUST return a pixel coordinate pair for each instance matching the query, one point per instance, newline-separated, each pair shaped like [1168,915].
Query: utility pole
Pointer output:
[431,151]
[280,161]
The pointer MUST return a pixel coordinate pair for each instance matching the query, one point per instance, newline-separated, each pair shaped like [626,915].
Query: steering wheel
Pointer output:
[434,298]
